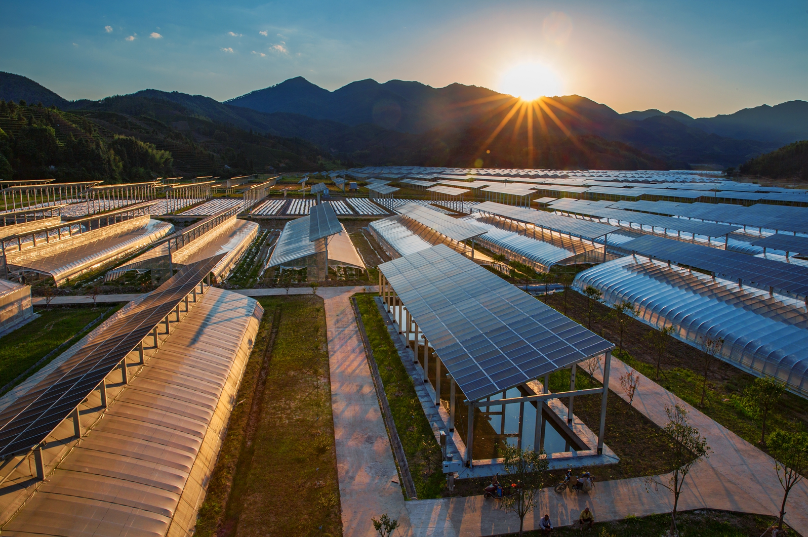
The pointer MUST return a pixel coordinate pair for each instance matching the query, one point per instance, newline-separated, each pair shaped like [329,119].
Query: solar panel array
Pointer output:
[323,222]
[319,188]
[490,335]
[416,182]
[755,271]
[678,224]
[562,224]
[382,188]
[776,217]
[33,416]
[448,190]
[786,243]
[453,228]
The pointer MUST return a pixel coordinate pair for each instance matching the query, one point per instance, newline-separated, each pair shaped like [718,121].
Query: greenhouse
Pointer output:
[763,333]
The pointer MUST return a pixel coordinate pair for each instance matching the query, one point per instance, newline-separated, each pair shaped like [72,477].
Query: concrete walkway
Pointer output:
[368,479]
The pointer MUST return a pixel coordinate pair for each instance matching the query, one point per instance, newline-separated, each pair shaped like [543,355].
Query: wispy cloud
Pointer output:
[264,33]
[280,48]
[234,34]
[155,35]
[108,29]
[75,44]
[229,50]
[259,54]
[131,37]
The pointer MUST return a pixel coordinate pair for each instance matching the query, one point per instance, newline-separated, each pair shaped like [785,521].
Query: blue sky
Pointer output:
[702,58]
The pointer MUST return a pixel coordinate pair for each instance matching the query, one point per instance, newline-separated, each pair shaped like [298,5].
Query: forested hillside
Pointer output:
[37,142]
[787,162]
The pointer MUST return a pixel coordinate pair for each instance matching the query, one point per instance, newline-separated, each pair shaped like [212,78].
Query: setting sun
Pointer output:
[529,81]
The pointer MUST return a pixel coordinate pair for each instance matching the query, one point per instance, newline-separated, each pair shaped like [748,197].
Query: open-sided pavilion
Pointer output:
[448,196]
[489,335]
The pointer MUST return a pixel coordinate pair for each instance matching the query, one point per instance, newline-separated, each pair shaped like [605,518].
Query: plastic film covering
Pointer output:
[15,303]
[764,335]
[457,230]
[144,468]
[530,251]
[490,335]
[294,247]
[396,238]
[75,255]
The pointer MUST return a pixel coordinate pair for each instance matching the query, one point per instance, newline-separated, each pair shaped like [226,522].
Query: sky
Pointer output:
[699,57]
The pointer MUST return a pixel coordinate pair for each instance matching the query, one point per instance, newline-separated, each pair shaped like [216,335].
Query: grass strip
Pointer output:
[277,474]
[421,449]
[24,347]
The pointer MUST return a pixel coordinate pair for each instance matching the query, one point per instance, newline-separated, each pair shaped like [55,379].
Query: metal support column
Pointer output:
[39,464]
[452,385]
[103,389]
[470,435]
[437,380]
[426,361]
[604,400]
[572,397]
[76,422]
[124,372]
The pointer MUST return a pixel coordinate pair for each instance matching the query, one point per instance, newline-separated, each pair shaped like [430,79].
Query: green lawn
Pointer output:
[420,447]
[24,347]
[277,471]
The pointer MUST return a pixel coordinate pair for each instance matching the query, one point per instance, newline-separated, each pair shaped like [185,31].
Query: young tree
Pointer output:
[790,452]
[49,292]
[594,296]
[688,448]
[621,315]
[763,394]
[659,340]
[95,291]
[384,525]
[525,471]
[711,347]
[630,381]
[566,280]
[314,286]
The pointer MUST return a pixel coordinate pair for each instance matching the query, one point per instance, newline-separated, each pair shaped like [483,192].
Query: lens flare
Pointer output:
[529,81]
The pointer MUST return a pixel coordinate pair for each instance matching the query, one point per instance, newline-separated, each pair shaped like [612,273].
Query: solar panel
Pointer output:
[765,273]
[632,217]
[453,228]
[786,243]
[33,416]
[490,335]
[562,224]
[448,190]
[416,182]
[323,222]
[319,188]
[382,188]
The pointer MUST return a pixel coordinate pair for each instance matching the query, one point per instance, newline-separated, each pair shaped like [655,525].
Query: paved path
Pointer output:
[364,457]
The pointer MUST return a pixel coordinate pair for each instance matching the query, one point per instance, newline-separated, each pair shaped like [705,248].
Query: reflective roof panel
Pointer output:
[453,228]
[490,335]
[323,222]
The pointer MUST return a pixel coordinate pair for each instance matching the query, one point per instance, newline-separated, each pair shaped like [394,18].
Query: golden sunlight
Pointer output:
[529,81]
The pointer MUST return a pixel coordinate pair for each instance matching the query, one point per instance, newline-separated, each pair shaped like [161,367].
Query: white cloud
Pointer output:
[108,29]
[155,35]
[280,48]
[131,37]
[75,44]
[259,54]
[234,34]
[229,50]
[264,33]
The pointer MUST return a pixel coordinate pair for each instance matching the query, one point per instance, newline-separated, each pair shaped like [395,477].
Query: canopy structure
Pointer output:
[30,419]
[396,238]
[786,278]
[518,194]
[791,244]
[415,183]
[762,334]
[489,335]
[457,230]
[381,190]
[315,246]
[642,219]
[448,196]
[560,224]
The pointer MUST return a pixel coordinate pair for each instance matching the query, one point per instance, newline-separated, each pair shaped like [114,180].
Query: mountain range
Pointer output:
[409,123]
